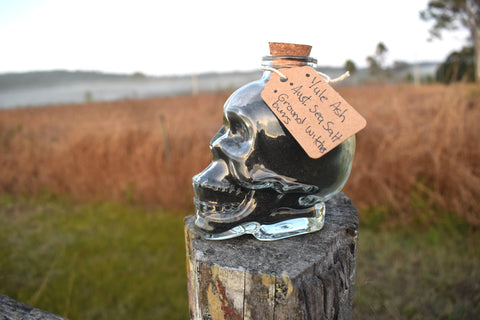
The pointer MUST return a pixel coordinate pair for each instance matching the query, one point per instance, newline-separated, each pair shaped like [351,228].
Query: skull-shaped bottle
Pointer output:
[260,180]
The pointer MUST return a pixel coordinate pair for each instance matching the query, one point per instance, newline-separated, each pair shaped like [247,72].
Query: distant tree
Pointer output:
[381,53]
[453,15]
[373,65]
[138,75]
[374,68]
[399,66]
[88,97]
[377,61]
[459,66]
[408,77]
[401,71]
[428,79]
[350,67]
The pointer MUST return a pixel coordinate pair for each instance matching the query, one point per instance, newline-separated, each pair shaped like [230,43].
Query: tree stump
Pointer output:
[13,310]
[303,277]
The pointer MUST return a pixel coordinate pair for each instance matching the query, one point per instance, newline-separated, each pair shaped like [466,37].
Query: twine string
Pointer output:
[326,77]
[282,76]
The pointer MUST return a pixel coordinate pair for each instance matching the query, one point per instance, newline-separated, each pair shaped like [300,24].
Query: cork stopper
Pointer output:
[289,49]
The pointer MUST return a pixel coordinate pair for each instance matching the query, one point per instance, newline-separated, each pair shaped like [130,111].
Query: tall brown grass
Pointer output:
[419,142]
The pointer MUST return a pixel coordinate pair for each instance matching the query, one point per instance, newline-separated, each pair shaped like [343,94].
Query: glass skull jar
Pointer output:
[260,180]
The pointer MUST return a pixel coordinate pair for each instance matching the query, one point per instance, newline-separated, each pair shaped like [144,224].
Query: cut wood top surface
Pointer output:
[292,255]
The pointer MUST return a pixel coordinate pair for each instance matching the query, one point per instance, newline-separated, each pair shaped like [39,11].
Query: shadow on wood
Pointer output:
[304,277]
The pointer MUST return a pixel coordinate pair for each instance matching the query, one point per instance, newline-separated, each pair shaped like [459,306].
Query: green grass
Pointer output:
[413,274]
[93,261]
[111,261]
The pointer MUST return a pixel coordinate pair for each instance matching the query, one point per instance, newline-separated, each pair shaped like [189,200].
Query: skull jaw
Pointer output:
[268,232]
[222,204]
[261,207]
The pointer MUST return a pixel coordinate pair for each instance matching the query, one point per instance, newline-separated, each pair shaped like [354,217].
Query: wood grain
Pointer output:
[303,277]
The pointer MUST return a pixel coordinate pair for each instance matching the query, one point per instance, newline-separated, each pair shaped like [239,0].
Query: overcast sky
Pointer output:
[180,36]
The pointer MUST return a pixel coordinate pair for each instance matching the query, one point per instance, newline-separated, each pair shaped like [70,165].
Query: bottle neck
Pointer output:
[278,62]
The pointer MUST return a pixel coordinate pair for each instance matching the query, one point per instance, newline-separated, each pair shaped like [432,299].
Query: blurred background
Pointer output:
[107,107]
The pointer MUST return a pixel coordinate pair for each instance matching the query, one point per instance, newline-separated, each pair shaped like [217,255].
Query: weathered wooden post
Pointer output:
[13,310]
[303,277]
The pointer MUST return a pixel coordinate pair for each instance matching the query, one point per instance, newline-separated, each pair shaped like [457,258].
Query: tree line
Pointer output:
[447,15]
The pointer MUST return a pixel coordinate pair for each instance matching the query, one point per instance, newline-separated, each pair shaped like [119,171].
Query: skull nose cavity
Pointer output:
[231,147]
[219,146]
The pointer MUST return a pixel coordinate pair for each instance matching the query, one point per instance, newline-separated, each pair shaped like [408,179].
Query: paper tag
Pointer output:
[314,113]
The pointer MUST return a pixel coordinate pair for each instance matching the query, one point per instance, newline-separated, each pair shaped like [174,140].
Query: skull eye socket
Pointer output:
[235,138]
[239,128]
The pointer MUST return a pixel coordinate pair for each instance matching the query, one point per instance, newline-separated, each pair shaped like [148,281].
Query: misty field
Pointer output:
[92,198]
[420,147]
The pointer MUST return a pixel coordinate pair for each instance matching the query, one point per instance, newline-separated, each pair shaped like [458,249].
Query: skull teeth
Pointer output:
[232,189]
[225,212]
[209,207]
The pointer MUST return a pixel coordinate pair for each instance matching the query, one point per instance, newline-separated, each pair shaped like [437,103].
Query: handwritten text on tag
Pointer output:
[314,113]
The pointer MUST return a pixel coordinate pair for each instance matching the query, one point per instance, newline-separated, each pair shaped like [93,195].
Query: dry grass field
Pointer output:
[418,156]
[417,164]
